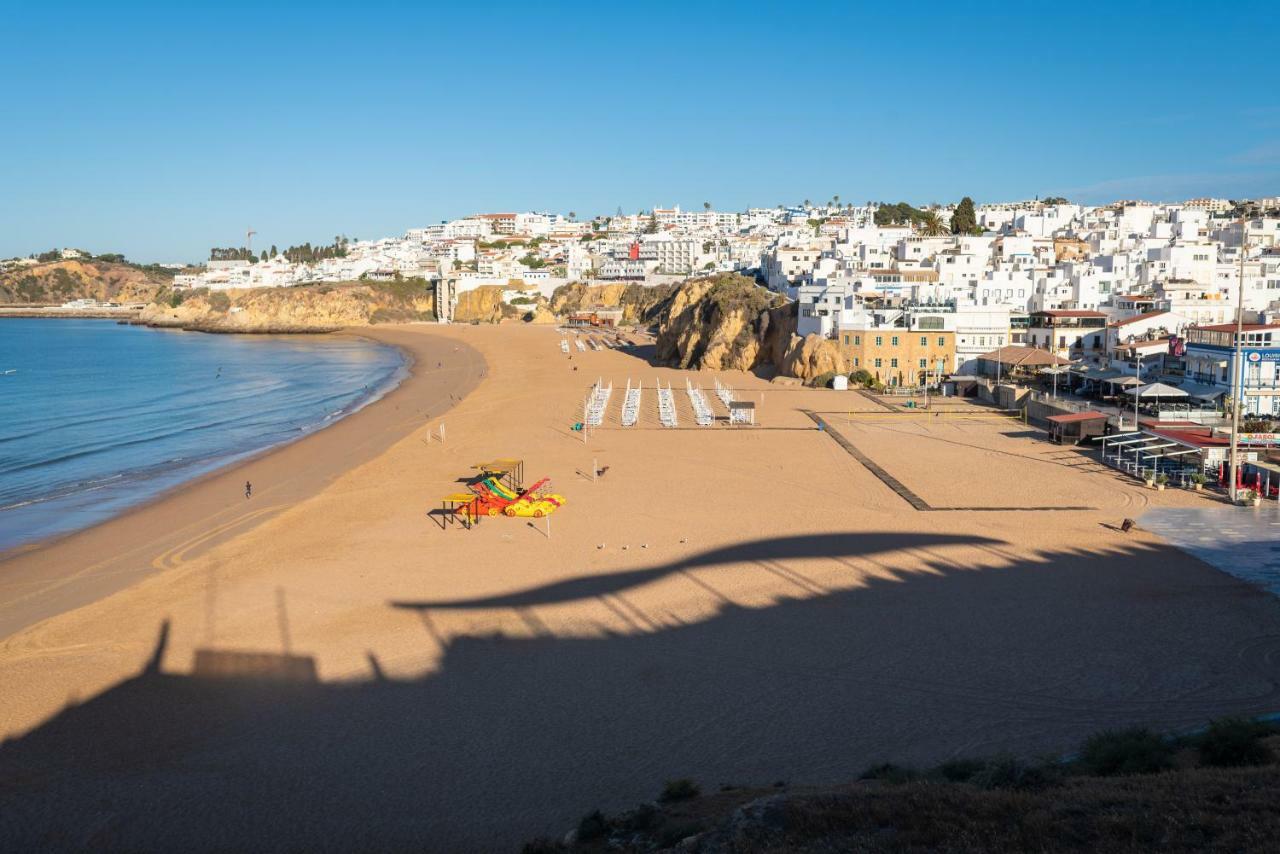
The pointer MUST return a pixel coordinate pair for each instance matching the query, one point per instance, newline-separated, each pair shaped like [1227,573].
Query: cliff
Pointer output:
[57,282]
[309,308]
[728,322]
[639,303]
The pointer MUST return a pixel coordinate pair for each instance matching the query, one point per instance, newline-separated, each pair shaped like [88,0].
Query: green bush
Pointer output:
[862,377]
[1234,742]
[823,380]
[593,826]
[219,301]
[1128,751]
[679,790]
[887,772]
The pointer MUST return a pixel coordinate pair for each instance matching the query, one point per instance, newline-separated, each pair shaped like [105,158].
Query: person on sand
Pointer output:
[248,489]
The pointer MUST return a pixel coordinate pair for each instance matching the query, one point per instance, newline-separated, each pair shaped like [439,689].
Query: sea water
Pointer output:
[96,417]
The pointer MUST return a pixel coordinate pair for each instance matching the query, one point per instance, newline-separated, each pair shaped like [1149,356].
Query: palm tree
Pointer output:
[706,206]
[836,199]
[932,225]
[572,214]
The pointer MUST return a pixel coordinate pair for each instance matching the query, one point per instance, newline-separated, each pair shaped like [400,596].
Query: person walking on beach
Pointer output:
[248,489]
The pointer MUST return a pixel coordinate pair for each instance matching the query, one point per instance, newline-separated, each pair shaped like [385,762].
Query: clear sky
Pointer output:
[159,130]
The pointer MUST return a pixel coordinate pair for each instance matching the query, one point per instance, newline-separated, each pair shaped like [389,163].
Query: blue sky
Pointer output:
[160,130]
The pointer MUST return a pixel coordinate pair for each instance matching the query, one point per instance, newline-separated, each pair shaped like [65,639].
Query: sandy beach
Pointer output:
[735,605]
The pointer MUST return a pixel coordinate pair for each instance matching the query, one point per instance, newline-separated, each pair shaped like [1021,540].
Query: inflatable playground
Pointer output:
[497,489]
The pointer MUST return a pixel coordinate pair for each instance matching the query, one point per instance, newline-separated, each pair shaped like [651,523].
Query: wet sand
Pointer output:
[734,605]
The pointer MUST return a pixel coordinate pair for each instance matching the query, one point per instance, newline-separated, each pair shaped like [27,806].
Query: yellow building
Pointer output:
[900,357]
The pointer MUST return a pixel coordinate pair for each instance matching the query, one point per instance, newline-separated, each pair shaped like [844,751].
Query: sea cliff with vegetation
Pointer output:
[305,308]
[105,278]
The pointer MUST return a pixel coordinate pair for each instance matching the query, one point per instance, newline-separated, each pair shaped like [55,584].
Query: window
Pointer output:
[942,342]
[857,340]
[924,363]
[893,363]
[846,340]
[855,361]
[924,340]
[879,340]
[894,341]
[878,363]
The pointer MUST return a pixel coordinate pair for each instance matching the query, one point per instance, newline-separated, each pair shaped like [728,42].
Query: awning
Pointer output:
[1203,392]
[1124,381]
[1156,390]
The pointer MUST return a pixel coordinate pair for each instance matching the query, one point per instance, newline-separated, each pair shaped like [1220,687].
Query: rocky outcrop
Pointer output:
[639,303]
[812,356]
[312,308]
[483,305]
[57,282]
[728,322]
[718,322]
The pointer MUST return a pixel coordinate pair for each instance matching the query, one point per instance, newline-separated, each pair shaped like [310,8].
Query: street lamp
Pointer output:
[1238,380]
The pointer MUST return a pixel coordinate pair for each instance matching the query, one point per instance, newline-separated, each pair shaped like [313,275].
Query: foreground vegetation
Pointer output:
[1124,790]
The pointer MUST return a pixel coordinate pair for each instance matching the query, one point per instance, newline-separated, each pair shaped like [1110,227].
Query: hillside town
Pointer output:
[1108,296]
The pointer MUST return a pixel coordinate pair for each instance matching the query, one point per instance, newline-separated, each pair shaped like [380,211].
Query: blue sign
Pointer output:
[1253,357]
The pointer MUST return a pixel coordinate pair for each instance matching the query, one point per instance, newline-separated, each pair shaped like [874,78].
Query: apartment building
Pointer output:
[901,348]
[1069,334]
[1210,361]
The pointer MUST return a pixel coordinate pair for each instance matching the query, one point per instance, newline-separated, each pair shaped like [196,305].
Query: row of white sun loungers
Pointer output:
[631,406]
[666,405]
[564,345]
[582,348]
[724,393]
[702,413]
[597,403]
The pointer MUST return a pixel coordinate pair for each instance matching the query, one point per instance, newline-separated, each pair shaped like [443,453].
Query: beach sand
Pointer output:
[733,605]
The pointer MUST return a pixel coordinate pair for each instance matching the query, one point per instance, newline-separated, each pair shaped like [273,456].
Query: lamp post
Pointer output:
[1237,385]
[1136,388]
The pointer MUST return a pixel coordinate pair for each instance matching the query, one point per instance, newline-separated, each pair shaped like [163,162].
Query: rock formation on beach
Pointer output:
[639,303]
[729,322]
[310,308]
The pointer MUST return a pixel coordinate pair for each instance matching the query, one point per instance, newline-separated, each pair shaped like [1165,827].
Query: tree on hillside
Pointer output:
[1056,200]
[932,225]
[652,227]
[706,206]
[898,214]
[274,251]
[573,215]
[965,219]
[836,199]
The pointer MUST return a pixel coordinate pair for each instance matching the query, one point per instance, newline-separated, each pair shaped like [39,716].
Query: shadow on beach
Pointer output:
[518,737]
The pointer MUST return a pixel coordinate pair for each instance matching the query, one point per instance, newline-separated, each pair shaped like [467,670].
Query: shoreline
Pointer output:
[47,577]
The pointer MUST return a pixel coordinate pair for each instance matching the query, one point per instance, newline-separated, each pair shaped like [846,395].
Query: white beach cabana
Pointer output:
[1156,391]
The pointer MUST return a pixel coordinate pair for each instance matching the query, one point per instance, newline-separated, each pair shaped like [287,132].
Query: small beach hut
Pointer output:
[1075,427]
